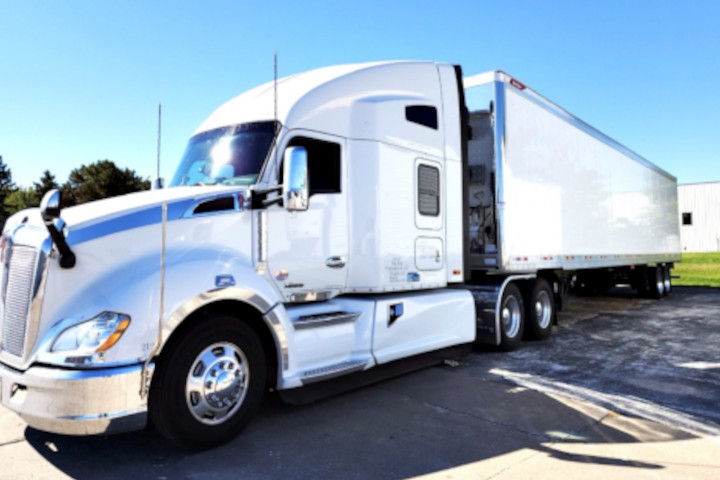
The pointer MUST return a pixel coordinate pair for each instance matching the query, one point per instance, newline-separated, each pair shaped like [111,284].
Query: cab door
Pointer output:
[307,251]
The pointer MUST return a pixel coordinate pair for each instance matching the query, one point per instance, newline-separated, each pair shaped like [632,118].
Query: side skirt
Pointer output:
[316,391]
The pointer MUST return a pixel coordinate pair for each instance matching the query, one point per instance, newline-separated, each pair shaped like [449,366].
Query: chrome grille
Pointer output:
[18,294]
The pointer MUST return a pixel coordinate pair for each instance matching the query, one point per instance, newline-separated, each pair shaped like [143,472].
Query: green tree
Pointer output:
[99,180]
[6,188]
[20,199]
[47,182]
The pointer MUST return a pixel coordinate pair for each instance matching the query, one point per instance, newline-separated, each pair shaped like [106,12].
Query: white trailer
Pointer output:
[551,196]
[336,227]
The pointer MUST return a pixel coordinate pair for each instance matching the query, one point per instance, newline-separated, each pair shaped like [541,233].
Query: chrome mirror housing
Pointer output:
[295,182]
[50,205]
[50,211]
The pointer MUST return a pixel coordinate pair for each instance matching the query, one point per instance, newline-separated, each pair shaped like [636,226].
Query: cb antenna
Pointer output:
[158,182]
[275,87]
[159,134]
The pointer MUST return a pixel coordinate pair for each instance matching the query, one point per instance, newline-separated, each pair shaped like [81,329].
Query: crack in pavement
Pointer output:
[12,442]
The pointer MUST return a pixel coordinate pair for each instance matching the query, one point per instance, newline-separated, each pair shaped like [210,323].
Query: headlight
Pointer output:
[96,335]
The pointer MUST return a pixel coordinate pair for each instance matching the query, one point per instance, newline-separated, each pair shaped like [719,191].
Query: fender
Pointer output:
[253,298]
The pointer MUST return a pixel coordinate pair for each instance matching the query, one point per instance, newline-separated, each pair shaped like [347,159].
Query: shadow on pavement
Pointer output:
[429,421]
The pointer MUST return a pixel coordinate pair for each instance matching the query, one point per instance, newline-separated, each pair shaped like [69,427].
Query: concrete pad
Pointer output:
[686,459]
[21,462]
[11,427]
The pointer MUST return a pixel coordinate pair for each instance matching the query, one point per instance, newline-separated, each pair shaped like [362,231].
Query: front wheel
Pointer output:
[209,384]
[512,318]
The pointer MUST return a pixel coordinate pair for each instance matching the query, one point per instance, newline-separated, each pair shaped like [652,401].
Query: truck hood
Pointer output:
[103,217]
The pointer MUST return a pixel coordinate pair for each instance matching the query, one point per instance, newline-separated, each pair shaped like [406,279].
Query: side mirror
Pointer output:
[50,205]
[295,179]
[157,183]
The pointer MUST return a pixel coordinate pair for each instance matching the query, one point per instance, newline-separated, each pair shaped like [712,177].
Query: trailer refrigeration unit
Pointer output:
[337,226]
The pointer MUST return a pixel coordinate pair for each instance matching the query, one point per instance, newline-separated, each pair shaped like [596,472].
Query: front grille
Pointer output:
[18,293]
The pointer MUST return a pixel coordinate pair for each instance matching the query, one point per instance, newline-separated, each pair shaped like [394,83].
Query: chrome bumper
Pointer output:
[76,402]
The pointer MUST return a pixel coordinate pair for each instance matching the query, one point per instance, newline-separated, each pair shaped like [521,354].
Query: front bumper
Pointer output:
[76,402]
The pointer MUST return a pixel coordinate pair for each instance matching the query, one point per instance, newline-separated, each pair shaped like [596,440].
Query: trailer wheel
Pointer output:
[667,280]
[540,309]
[207,387]
[656,281]
[512,319]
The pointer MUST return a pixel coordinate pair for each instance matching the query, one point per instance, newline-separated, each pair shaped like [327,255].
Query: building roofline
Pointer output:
[715,182]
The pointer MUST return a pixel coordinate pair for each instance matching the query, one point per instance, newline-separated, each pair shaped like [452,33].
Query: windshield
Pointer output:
[226,156]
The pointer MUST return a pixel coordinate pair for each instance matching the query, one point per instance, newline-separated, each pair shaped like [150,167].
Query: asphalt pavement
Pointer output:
[624,388]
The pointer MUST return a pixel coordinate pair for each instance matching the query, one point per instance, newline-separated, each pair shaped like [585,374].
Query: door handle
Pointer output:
[335,262]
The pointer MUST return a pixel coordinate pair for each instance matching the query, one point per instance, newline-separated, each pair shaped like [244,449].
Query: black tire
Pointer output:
[209,384]
[512,317]
[539,310]
[667,280]
[656,282]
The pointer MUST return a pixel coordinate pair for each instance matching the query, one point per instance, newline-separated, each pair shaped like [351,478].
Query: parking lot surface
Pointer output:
[624,388]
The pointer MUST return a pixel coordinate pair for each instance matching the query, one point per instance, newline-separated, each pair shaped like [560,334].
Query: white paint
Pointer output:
[325,346]
[430,321]
[300,243]
[568,193]
[428,253]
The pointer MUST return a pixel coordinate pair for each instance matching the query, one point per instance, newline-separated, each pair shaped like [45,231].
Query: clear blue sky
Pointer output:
[80,80]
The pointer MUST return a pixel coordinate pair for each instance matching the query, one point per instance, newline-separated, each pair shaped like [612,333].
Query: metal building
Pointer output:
[699,210]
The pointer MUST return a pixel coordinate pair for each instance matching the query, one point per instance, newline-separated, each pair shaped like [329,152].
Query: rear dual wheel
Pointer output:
[656,277]
[512,317]
[667,280]
[534,314]
[540,312]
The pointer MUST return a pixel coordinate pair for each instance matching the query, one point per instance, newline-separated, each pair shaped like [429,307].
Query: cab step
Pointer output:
[330,371]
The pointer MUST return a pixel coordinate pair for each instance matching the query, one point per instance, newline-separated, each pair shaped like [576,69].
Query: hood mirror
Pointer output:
[50,205]
[50,210]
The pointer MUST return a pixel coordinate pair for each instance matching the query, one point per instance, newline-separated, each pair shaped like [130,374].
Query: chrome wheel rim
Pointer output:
[543,309]
[667,282]
[217,383]
[511,317]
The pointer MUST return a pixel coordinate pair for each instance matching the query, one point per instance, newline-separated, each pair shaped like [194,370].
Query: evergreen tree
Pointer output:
[99,180]
[6,188]
[47,183]
[20,199]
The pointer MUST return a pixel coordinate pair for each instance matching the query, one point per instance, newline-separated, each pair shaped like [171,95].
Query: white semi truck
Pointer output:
[322,231]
